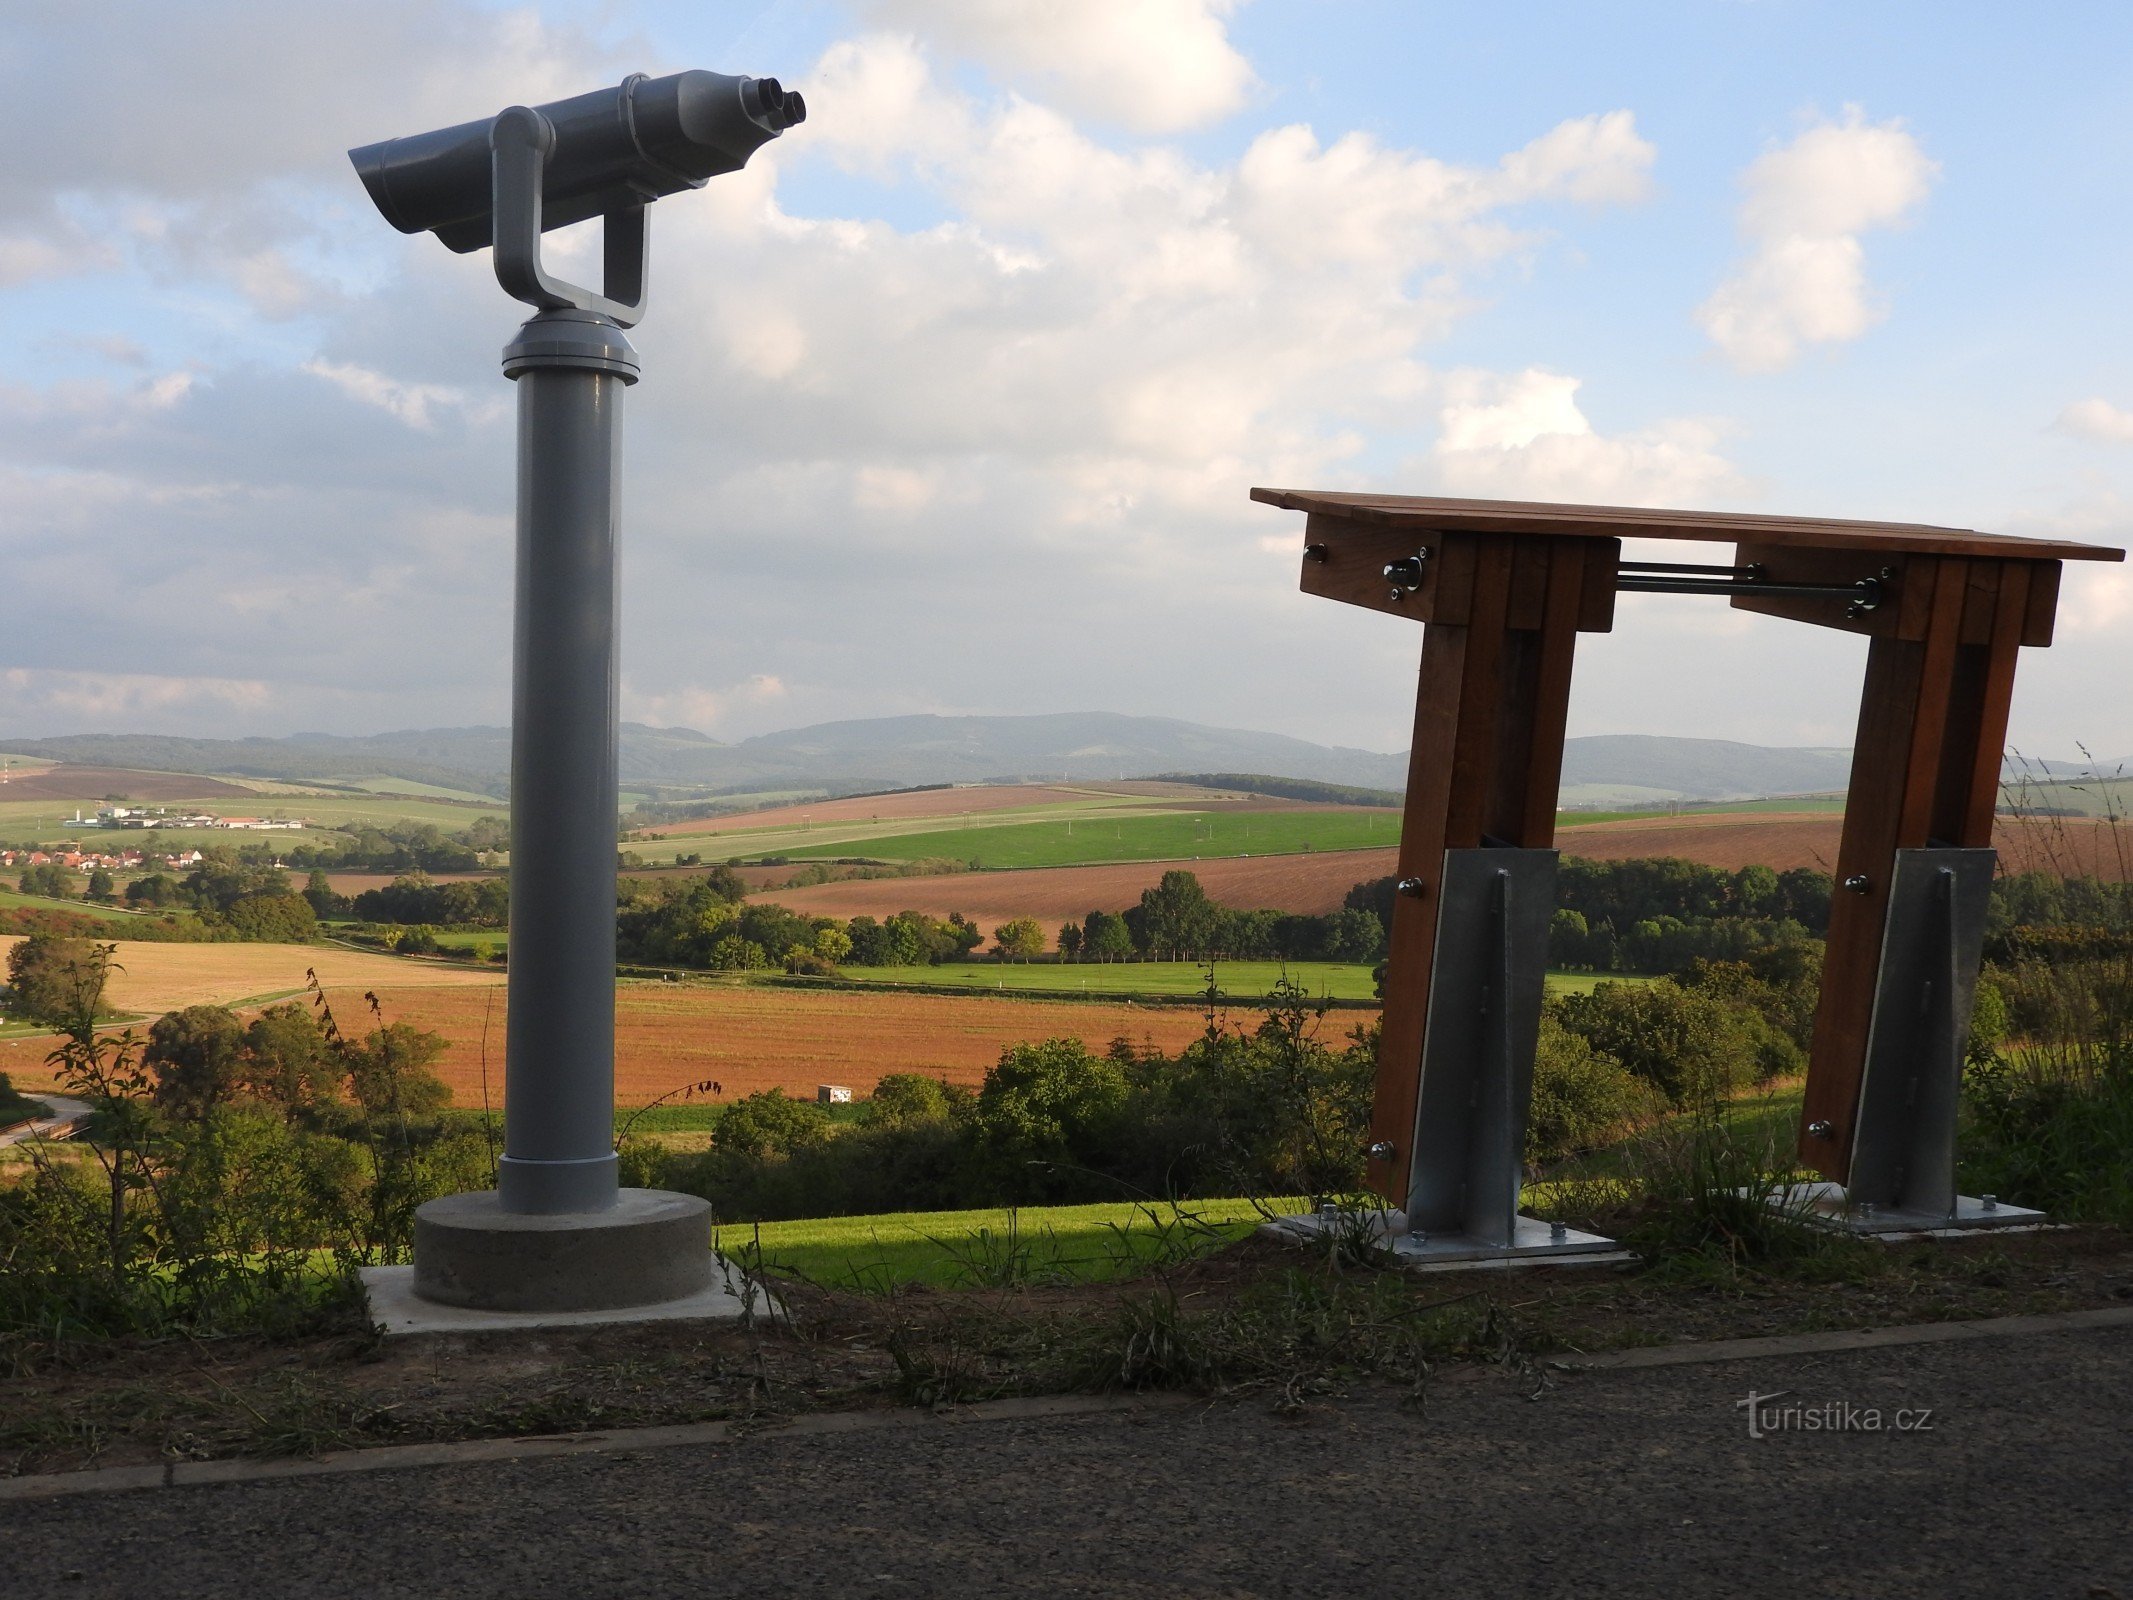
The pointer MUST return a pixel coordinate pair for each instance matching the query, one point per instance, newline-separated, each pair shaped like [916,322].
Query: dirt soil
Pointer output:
[1313,882]
[123,1404]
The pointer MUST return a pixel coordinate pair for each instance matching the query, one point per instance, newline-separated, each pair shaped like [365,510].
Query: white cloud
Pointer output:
[1805,205]
[1151,66]
[693,706]
[1524,437]
[412,403]
[105,697]
[2097,419]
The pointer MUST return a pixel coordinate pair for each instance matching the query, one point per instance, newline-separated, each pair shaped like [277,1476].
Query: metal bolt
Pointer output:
[1411,887]
[1866,1211]
[1988,1202]
[1316,552]
[1379,1150]
[1820,1129]
[1398,596]
[1406,573]
[1328,1210]
[1558,1231]
[1858,883]
[1418,1236]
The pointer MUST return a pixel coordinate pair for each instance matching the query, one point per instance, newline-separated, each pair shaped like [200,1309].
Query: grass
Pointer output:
[997,1248]
[1070,841]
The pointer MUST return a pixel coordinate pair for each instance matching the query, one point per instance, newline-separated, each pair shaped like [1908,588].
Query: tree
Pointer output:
[390,1074]
[223,878]
[289,1060]
[735,954]
[50,879]
[157,889]
[1070,939]
[1019,939]
[100,887]
[197,1056]
[273,918]
[1177,916]
[1105,937]
[54,979]
[1354,935]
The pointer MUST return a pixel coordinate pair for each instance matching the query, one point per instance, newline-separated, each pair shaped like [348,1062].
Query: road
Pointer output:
[1613,1483]
[66,1114]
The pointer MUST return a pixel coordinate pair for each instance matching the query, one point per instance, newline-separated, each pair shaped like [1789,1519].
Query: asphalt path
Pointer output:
[2013,1485]
[64,1115]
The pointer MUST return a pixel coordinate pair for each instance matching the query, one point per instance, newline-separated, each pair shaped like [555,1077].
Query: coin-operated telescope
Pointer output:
[509,178]
[558,1232]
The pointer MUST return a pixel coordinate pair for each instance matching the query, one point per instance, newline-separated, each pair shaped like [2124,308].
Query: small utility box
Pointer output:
[832,1094]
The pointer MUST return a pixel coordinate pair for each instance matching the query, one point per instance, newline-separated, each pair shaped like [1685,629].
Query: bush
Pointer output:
[1691,1048]
[1582,1097]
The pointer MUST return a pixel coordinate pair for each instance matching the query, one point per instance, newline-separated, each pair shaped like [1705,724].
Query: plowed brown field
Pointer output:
[760,1038]
[1314,882]
[749,1038]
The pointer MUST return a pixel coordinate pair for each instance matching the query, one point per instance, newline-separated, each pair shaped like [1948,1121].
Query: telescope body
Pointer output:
[613,148]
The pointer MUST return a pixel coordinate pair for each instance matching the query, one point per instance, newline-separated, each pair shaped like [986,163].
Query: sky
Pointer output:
[953,397]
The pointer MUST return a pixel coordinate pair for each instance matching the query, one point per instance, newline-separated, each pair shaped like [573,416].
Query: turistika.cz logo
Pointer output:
[1766,1416]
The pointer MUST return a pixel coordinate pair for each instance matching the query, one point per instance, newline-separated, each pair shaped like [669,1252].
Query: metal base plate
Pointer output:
[395,1307]
[1535,1241]
[1827,1204]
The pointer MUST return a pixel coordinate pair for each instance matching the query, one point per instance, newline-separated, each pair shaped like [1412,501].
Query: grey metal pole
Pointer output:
[559,1071]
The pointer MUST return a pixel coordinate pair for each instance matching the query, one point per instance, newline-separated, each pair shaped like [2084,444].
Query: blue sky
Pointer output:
[952,399]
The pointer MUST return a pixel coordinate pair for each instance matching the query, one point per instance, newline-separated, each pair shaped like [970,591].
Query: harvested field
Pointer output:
[884,807]
[72,783]
[165,977]
[1313,883]
[354,883]
[748,1038]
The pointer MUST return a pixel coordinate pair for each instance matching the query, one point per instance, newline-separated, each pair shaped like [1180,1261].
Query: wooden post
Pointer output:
[1504,615]
[1925,771]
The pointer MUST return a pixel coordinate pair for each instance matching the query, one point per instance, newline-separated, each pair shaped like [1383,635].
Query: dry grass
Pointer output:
[155,978]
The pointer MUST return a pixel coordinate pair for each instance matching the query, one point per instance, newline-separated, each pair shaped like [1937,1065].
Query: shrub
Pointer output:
[1582,1097]
[1688,1046]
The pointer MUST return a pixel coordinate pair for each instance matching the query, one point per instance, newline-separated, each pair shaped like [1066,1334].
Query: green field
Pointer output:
[48,821]
[1083,1244]
[1175,836]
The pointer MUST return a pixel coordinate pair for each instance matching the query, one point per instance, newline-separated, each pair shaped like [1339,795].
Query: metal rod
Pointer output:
[1689,566]
[1866,592]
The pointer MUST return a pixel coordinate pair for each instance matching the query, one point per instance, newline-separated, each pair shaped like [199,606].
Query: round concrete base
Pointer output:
[651,1246]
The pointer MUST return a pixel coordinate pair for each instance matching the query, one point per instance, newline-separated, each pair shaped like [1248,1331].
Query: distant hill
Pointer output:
[905,752]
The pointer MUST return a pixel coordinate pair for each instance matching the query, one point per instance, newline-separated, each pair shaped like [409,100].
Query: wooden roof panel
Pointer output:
[1633,522]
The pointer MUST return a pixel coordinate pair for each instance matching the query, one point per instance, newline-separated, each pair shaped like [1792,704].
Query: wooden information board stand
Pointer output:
[1503,589]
